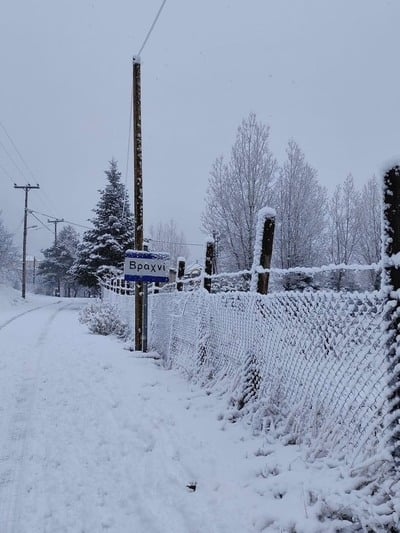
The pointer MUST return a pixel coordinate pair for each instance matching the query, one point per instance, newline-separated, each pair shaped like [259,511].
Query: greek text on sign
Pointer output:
[146,266]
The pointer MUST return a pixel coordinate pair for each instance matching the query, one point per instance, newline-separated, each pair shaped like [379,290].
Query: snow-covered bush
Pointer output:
[103,319]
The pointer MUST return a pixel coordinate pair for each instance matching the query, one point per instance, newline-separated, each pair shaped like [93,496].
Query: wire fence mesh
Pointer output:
[317,357]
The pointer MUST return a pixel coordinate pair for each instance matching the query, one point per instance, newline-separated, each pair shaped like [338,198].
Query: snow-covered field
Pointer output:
[96,438]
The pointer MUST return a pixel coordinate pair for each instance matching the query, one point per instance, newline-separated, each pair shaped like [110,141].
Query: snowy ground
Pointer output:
[96,438]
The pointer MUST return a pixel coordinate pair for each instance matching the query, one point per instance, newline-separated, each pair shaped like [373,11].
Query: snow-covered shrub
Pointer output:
[103,319]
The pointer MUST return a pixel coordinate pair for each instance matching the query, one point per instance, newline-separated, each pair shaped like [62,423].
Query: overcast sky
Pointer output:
[325,72]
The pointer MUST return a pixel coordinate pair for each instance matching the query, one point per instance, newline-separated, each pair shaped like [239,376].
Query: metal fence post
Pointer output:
[391,287]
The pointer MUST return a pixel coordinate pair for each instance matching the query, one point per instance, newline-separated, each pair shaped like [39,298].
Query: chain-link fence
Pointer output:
[317,358]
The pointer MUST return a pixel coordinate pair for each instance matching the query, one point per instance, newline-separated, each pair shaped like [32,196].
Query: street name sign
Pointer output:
[146,267]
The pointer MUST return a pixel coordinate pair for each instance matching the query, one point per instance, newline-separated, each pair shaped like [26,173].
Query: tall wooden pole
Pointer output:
[263,249]
[55,222]
[208,265]
[180,273]
[138,195]
[266,254]
[391,285]
[26,188]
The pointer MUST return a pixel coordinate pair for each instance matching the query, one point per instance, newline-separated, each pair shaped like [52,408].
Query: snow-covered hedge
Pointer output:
[103,319]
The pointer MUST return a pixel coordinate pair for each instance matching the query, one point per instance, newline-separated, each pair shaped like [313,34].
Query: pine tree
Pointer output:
[103,247]
[58,259]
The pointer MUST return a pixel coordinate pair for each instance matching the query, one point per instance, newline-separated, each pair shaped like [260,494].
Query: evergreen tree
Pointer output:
[58,259]
[102,250]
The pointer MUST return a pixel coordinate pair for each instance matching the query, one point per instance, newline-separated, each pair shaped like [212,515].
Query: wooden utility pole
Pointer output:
[55,222]
[138,195]
[26,188]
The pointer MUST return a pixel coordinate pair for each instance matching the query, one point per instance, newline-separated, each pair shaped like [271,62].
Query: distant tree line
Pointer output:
[312,228]
[10,257]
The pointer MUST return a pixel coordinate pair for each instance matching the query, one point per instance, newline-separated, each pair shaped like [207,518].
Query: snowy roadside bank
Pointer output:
[12,303]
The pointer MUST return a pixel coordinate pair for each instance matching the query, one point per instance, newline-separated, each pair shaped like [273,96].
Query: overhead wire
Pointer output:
[40,221]
[177,243]
[51,216]
[5,171]
[13,144]
[131,104]
[21,172]
[151,27]
[17,151]
[45,199]
[13,161]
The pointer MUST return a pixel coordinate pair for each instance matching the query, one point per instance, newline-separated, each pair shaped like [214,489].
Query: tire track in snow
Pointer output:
[10,320]
[18,426]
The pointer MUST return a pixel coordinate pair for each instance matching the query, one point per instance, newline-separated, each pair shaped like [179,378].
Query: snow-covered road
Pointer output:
[94,438]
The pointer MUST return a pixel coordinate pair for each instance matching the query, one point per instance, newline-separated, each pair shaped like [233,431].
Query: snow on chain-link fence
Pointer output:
[316,359]
[322,364]
[120,294]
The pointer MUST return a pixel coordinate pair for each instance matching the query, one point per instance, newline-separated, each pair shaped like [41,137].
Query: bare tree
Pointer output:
[237,190]
[343,227]
[9,256]
[369,215]
[301,204]
[343,222]
[166,237]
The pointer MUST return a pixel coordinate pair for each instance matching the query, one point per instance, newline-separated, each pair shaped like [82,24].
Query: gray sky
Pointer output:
[322,71]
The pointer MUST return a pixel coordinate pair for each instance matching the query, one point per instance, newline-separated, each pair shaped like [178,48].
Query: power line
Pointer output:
[76,224]
[13,161]
[151,27]
[178,243]
[16,149]
[7,174]
[42,194]
[66,221]
[40,221]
